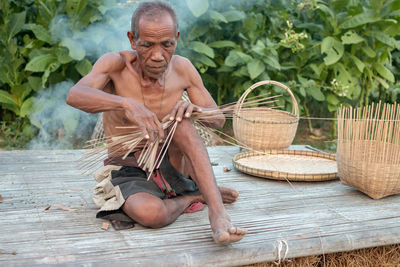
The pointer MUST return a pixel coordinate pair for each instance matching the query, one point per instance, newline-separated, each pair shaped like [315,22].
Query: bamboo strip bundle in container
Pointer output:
[368,150]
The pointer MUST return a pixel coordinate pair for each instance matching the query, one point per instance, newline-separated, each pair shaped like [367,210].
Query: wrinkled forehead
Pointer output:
[163,19]
[157,26]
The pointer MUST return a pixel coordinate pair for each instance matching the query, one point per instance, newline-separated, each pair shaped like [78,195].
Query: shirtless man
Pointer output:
[143,86]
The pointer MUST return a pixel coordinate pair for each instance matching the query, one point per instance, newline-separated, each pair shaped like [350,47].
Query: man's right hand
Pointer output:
[146,120]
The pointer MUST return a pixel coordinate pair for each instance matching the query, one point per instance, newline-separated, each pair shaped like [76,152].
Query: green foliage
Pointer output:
[40,45]
[16,134]
[329,52]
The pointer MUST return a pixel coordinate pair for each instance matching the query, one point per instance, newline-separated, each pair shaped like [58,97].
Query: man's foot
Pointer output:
[228,195]
[224,232]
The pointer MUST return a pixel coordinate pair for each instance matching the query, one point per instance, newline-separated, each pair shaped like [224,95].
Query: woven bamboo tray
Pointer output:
[264,128]
[292,165]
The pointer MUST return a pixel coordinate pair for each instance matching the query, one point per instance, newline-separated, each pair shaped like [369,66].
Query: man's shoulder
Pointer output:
[180,60]
[181,64]
[115,61]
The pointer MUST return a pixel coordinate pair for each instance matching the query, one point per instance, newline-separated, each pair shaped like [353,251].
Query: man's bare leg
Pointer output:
[190,143]
[150,211]
[183,165]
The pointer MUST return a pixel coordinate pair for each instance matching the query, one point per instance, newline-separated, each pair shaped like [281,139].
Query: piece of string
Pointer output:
[335,119]
[279,250]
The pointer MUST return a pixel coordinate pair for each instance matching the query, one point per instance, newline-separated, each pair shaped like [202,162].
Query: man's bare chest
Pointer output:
[159,98]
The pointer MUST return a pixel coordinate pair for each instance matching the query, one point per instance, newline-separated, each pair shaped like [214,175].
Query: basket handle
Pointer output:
[295,106]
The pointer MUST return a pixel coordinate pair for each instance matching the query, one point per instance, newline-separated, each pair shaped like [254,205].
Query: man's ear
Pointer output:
[131,38]
[177,35]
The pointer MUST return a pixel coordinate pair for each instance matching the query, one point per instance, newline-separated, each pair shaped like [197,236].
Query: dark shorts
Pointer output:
[131,180]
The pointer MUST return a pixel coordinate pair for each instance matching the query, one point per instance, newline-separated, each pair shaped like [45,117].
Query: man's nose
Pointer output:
[156,54]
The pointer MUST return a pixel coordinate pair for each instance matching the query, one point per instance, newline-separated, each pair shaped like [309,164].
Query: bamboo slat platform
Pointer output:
[312,218]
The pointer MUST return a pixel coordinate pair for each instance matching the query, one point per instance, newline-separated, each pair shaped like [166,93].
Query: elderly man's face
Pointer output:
[156,44]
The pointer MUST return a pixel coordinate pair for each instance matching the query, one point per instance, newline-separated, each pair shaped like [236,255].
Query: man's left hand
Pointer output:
[183,109]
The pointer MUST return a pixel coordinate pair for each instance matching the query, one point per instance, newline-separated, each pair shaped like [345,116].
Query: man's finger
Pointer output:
[189,111]
[159,128]
[181,110]
[144,131]
[173,112]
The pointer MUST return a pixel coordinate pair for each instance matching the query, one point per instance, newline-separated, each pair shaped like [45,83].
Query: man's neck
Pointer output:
[149,82]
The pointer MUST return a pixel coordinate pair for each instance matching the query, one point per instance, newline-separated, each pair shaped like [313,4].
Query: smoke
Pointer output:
[99,37]
[61,126]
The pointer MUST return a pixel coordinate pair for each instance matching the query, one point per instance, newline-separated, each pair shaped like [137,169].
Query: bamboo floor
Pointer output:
[310,218]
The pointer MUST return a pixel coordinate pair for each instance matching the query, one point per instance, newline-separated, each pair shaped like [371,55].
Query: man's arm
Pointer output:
[198,95]
[87,95]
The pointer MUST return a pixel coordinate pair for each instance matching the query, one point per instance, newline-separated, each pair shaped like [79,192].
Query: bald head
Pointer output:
[151,11]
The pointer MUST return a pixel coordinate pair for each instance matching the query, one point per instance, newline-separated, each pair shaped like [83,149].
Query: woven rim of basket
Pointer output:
[295,119]
[278,175]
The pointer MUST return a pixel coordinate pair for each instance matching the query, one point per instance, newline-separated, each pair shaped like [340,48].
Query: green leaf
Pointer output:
[75,7]
[351,37]
[40,63]
[360,19]
[197,31]
[83,67]
[221,44]
[259,48]
[325,9]
[382,82]
[206,61]
[384,72]
[63,55]
[197,7]
[7,98]
[51,68]
[16,24]
[236,57]
[202,48]
[332,99]
[26,107]
[76,51]
[272,61]
[217,16]
[333,50]
[255,68]
[316,93]
[368,51]
[40,32]
[360,65]
[21,92]
[35,83]
[384,38]
[234,15]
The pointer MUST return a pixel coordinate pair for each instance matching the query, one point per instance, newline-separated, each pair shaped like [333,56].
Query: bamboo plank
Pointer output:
[312,218]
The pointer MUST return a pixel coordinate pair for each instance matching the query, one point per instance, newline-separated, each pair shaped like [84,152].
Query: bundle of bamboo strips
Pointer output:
[152,153]
[368,150]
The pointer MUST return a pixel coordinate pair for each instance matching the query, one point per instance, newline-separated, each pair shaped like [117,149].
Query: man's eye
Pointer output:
[168,44]
[146,44]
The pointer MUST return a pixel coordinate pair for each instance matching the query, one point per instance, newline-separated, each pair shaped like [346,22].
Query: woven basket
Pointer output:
[368,151]
[292,165]
[263,128]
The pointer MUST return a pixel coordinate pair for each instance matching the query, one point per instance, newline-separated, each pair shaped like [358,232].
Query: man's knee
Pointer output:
[151,214]
[186,133]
